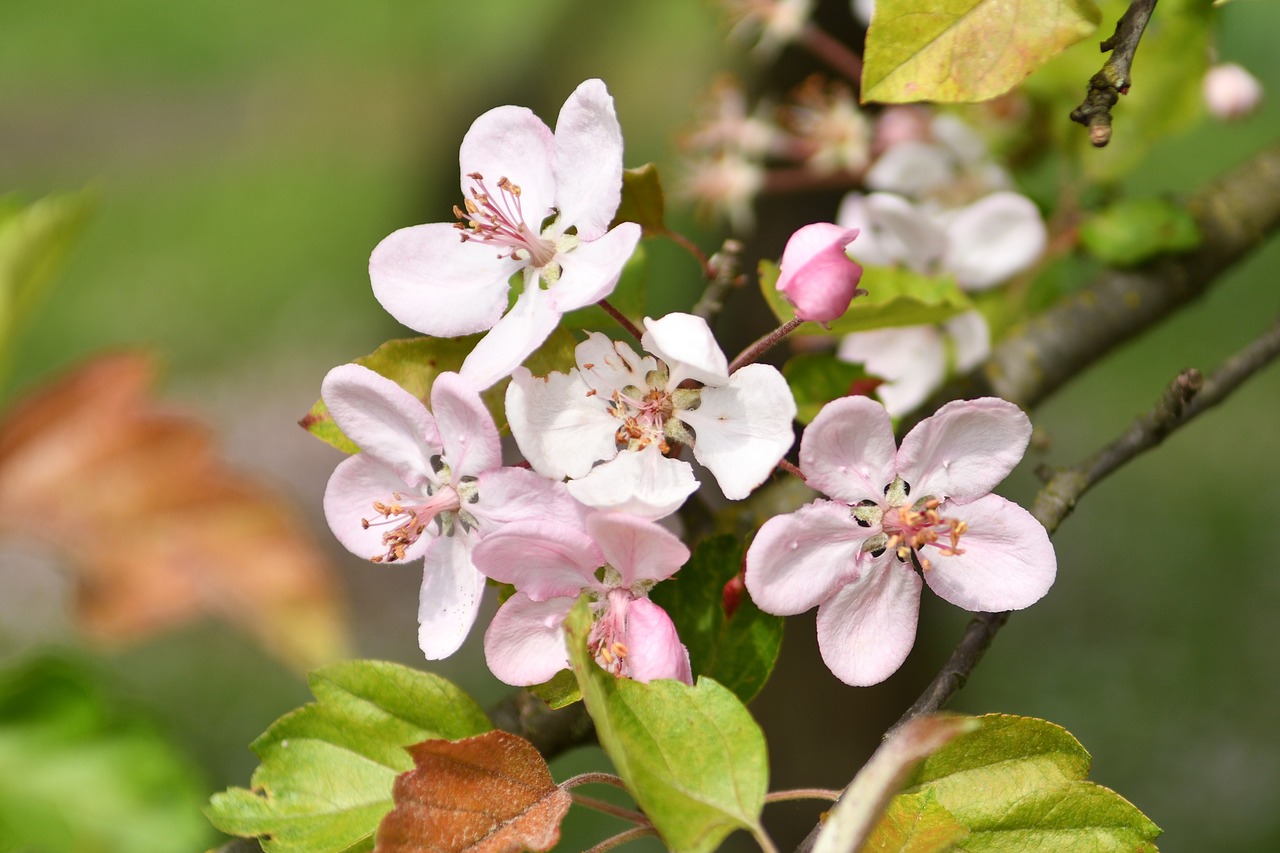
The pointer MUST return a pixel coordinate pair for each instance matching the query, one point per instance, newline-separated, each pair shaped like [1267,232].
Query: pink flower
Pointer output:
[450,279]
[427,486]
[897,514]
[1231,92]
[617,560]
[816,276]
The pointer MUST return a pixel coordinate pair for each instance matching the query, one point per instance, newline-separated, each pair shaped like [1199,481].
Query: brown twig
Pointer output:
[724,274]
[1106,87]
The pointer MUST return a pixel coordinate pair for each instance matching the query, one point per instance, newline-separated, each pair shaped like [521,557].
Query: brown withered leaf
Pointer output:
[487,794]
[159,530]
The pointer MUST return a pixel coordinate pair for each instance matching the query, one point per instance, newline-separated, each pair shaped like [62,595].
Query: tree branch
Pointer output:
[1106,87]
[552,732]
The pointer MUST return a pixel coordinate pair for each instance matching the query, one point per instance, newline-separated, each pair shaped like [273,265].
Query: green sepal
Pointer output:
[643,200]
[327,768]
[561,690]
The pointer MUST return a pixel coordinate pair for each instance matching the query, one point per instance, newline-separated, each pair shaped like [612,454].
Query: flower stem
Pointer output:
[593,779]
[791,469]
[760,347]
[833,52]
[802,794]
[689,246]
[622,838]
[622,319]
[626,814]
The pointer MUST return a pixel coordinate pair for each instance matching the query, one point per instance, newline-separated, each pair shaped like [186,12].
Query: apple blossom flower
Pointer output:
[617,559]
[537,203]
[426,486]
[626,412]
[816,275]
[951,166]
[725,185]
[826,117]
[1231,92]
[770,23]
[897,514]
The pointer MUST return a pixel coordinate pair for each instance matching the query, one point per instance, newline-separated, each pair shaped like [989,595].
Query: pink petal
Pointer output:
[450,596]
[911,359]
[639,549]
[743,428]
[513,143]
[384,420]
[590,272]
[816,276]
[508,495]
[797,560]
[686,344]
[965,449]
[588,160]
[847,452]
[470,438]
[356,483]
[1008,561]
[525,643]
[994,239]
[513,339]
[431,281]
[654,649]
[643,483]
[541,559]
[867,629]
[559,425]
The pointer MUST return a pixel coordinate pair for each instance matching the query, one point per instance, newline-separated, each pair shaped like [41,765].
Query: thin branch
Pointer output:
[802,794]
[629,815]
[724,274]
[764,344]
[832,51]
[593,779]
[762,838]
[622,838]
[622,319]
[1188,396]
[692,248]
[552,732]
[1106,87]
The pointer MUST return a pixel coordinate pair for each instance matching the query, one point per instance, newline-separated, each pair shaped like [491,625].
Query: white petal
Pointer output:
[643,483]
[1008,561]
[591,271]
[847,452]
[911,359]
[384,420]
[867,629]
[965,449]
[993,239]
[525,643]
[513,143]
[559,425]
[609,366]
[743,428]
[639,549]
[356,483]
[512,340]
[450,597]
[799,559]
[467,431]
[431,281]
[902,231]
[686,344]
[588,160]
[971,338]
[911,168]
[868,248]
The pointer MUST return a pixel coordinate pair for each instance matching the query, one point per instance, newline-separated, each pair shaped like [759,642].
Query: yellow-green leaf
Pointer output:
[960,51]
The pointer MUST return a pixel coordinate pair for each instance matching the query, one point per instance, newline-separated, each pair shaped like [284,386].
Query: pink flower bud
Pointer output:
[1230,91]
[816,276]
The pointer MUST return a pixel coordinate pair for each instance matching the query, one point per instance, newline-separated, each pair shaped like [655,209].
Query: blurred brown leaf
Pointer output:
[158,528]
[487,794]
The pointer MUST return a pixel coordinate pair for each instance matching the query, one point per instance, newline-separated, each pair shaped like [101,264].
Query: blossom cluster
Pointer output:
[601,443]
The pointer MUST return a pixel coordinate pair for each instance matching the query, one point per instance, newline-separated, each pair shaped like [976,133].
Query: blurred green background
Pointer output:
[247,156]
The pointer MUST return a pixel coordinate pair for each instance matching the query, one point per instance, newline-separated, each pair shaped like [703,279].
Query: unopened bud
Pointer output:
[1231,92]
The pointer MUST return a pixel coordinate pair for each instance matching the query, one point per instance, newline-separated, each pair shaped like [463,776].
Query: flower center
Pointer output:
[908,528]
[408,521]
[498,218]
[606,640]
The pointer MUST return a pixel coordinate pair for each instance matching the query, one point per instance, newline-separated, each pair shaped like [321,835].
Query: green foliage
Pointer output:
[1018,783]
[34,242]
[560,690]
[1137,230]
[737,649]
[692,757]
[643,200]
[895,297]
[965,50]
[327,768]
[917,823]
[817,378]
[414,363]
[76,776]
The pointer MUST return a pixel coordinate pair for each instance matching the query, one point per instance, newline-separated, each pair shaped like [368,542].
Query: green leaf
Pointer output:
[1017,783]
[1137,230]
[558,692]
[916,823]
[327,768]
[737,650]
[34,243]
[895,297]
[643,201]
[965,50]
[692,757]
[77,774]
[414,364]
[817,378]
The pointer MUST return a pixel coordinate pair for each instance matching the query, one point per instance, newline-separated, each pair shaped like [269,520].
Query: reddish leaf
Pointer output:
[157,528]
[487,794]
